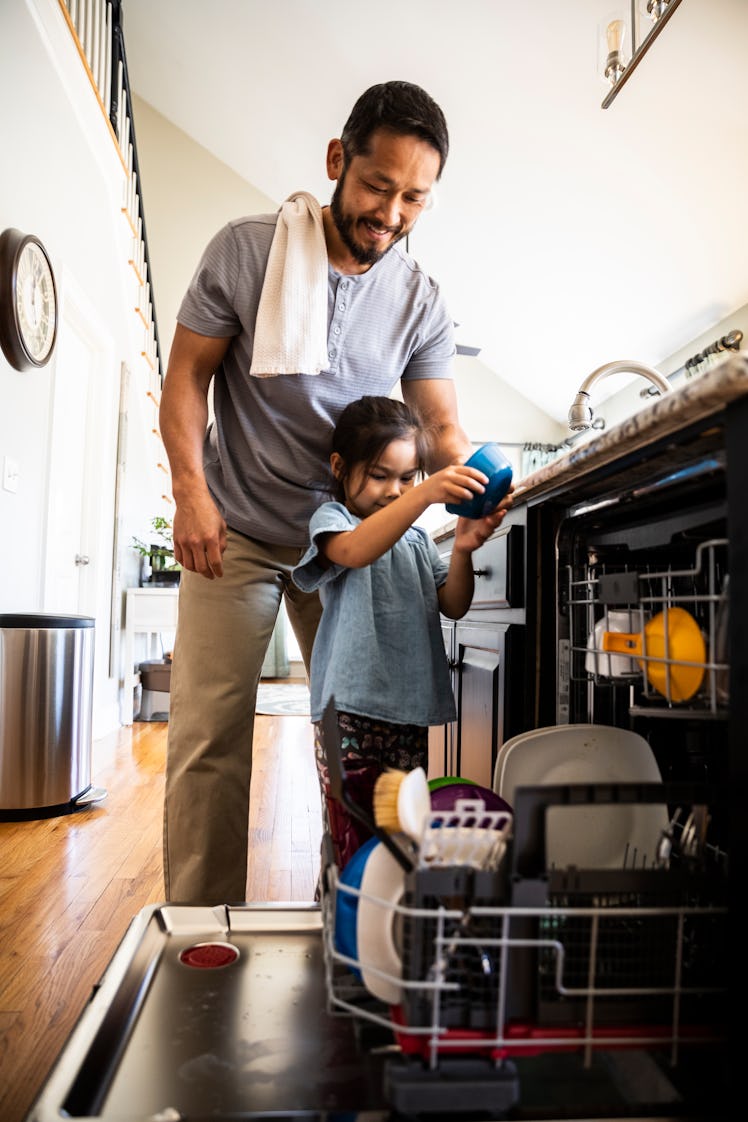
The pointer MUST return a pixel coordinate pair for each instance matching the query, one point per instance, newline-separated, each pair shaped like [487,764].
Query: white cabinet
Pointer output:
[148,611]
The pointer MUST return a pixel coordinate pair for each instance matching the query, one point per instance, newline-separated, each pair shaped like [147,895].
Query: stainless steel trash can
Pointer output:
[46,707]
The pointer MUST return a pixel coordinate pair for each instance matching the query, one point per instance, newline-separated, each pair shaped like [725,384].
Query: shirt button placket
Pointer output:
[336,323]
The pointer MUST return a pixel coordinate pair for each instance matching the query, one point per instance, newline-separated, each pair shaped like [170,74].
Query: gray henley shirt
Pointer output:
[266,453]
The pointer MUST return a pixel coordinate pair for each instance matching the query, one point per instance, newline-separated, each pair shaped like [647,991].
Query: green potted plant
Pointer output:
[158,555]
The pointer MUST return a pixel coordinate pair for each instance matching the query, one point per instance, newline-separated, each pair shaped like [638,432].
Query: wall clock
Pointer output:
[28,300]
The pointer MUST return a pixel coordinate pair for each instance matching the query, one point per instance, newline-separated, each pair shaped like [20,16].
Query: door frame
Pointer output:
[99,433]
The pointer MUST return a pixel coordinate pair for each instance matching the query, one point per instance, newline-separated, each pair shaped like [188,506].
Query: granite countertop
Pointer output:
[696,398]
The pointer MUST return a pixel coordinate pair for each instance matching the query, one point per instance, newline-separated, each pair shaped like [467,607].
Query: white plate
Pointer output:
[566,744]
[591,836]
[378,924]
[623,835]
[508,745]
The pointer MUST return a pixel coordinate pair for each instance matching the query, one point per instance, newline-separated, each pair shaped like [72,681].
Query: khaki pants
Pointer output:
[223,631]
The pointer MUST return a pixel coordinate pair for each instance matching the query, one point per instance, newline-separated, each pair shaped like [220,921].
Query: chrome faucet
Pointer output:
[580,414]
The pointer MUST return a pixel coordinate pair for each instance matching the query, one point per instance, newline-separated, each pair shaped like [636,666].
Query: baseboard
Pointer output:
[296,671]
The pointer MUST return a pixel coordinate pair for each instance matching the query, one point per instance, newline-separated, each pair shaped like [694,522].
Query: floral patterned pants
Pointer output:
[367,747]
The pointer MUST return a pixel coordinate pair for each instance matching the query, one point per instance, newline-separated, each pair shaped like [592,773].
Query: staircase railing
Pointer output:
[96,27]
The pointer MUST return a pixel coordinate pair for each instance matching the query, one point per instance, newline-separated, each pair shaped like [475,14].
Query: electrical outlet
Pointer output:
[11,472]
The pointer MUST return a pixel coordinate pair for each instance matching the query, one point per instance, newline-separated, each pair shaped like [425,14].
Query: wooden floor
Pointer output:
[70,885]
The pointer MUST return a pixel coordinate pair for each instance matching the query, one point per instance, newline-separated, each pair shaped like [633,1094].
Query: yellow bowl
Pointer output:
[672,649]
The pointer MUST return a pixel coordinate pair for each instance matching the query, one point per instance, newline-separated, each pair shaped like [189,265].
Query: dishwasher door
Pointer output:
[223,1014]
[213,1013]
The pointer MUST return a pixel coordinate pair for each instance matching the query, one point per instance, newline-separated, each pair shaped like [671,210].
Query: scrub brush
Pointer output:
[402,802]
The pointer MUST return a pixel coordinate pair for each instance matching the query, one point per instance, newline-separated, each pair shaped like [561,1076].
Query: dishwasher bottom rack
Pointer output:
[494,966]
[486,989]
[602,969]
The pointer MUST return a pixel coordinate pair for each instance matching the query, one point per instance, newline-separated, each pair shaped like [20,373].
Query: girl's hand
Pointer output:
[455,483]
[472,533]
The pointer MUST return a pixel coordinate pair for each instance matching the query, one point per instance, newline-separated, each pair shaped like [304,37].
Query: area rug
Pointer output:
[285,700]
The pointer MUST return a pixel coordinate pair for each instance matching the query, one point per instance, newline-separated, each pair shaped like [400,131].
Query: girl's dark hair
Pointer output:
[366,427]
[401,107]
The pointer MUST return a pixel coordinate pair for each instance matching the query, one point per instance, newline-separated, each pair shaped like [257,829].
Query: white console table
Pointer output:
[148,611]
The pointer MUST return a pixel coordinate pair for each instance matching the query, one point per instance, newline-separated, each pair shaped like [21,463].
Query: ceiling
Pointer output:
[564,235]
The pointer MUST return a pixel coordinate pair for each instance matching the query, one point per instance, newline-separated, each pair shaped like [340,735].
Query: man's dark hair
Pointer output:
[401,107]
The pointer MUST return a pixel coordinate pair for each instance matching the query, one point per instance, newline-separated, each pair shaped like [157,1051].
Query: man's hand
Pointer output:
[199,529]
[200,536]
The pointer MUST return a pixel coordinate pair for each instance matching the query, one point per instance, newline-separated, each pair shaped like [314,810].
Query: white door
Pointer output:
[77,577]
[68,554]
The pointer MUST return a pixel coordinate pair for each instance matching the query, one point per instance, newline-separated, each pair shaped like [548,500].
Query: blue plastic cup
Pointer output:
[492,462]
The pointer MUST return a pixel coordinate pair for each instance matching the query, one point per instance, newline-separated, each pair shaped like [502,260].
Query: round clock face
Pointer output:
[28,300]
[35,302]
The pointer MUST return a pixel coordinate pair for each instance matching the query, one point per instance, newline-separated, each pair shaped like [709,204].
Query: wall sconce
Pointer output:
[616,68]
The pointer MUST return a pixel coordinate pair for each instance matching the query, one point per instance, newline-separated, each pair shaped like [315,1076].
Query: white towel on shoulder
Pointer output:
[291,327]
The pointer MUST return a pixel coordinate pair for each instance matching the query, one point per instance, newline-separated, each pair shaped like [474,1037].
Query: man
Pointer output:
[246,487]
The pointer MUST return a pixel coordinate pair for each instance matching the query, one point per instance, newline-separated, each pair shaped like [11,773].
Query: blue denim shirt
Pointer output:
[379,649]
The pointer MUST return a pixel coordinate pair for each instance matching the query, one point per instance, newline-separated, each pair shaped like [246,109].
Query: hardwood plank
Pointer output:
[48,1018]
[70,885]
[53,929]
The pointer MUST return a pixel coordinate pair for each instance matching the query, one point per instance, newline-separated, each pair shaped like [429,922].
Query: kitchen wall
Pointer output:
[63,181]
[189,195]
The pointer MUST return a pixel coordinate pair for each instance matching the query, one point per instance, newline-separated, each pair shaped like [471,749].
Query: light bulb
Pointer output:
[614,64]
[614,35]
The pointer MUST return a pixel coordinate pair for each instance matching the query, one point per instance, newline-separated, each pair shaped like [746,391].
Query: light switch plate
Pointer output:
[11,472]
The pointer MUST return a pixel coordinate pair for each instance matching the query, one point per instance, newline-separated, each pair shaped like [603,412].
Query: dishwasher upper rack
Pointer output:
[701,588]
[594,959]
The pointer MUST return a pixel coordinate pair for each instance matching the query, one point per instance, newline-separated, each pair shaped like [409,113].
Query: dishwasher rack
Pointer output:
[518,961]
[600,585]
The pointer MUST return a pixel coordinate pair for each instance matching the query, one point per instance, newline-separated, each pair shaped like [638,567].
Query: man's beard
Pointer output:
[344,225]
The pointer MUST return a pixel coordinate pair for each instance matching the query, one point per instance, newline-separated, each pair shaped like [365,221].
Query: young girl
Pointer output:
[379,650]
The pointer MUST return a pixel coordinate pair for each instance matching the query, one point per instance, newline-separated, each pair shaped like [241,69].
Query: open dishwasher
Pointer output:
[516,991]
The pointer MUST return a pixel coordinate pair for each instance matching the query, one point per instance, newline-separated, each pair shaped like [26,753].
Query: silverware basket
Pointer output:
[458,951]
